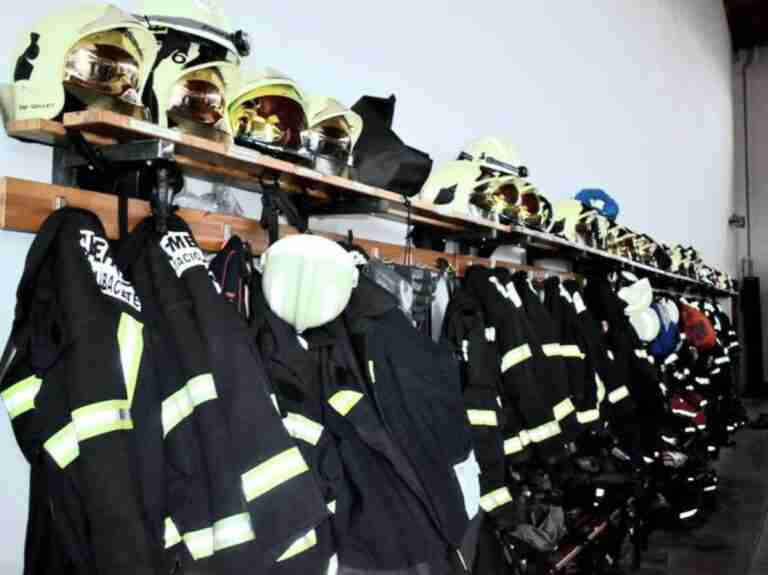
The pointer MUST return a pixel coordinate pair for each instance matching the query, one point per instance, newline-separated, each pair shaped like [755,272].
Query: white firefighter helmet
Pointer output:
[197,64]
[267,107]
[201,18]
[96,56]
[566,217]
[331,135]
[450,187]
[495,154]
[308,280]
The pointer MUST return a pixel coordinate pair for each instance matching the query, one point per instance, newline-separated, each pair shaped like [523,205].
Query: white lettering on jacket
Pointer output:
[109,279]
[182,251]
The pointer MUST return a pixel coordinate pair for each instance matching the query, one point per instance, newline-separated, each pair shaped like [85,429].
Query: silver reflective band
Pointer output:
[515,356]
[273,473]
[331,505]
[610,355]
[641,353]
[571,351]
[305,542]
[671,359]
[490,334]
[684,412]
[172,535]
[563,409]
[588,416]
[483,417]
[663,388]
[232,531]
[710,488]
[701,427]
[63,446]
[100,418]
[618,394]
[690,430]
[722,360]
[551,349]
[273,397]
[670,440]
[372,371]
[495,499]
[544,432]
[20,397]
[344,401]
[199,543]
[703,380]
[300,427]
[513,445]
[182,404]
[688,514]
[600,386]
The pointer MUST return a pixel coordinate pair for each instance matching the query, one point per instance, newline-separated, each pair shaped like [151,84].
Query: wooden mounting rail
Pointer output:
[24,206]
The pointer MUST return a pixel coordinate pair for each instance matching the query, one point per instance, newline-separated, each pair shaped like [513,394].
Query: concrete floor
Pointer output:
[735,539]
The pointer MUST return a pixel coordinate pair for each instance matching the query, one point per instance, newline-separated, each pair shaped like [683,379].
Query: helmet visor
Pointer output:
[106,63]
[271,115]
[330,139]
[199,97]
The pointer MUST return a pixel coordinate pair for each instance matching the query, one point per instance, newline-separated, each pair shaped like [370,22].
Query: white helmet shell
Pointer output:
[39,60]
[492,148]
[321,109]
[450,187]
[308,280]
[646,323]
[203,18]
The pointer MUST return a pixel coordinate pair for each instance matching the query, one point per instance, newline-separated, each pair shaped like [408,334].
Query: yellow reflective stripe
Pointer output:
[300,427]
[525,438]
[618,394]
[551,349]
[588,416]
[563,409]
[199,543]
[331,505]
[544,432]
[20,397]
[273,472]
[344,401]
[610,355]
[515,356]
[495,499]
[513,445]
[300,545]
[600,389]
[172,535]
[571,351]
[100,418]
[483,417]
[130,338]
[641,353]
[232,531]
[63,446]
[181,404]
[372,371]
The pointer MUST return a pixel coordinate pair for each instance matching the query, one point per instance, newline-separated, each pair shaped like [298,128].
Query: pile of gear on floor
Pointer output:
[180,65]
[318,411]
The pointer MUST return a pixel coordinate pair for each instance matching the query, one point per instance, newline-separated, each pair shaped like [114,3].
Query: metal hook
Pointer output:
[60,202]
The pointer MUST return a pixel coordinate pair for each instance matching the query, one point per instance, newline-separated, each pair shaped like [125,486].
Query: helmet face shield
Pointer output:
[198,97]
[106,63]
[330,139]
[271,114]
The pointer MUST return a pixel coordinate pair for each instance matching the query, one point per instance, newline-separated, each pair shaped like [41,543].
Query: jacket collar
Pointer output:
[368,301]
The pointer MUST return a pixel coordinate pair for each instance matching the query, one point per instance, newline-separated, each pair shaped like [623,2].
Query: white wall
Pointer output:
[633,96]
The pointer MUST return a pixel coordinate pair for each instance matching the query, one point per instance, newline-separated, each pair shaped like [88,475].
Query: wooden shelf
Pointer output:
[245,168]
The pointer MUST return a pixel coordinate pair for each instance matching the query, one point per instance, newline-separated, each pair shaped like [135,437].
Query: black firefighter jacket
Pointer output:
[525,377]
[386,403]
[239,494]
[70,393]
[474,342]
